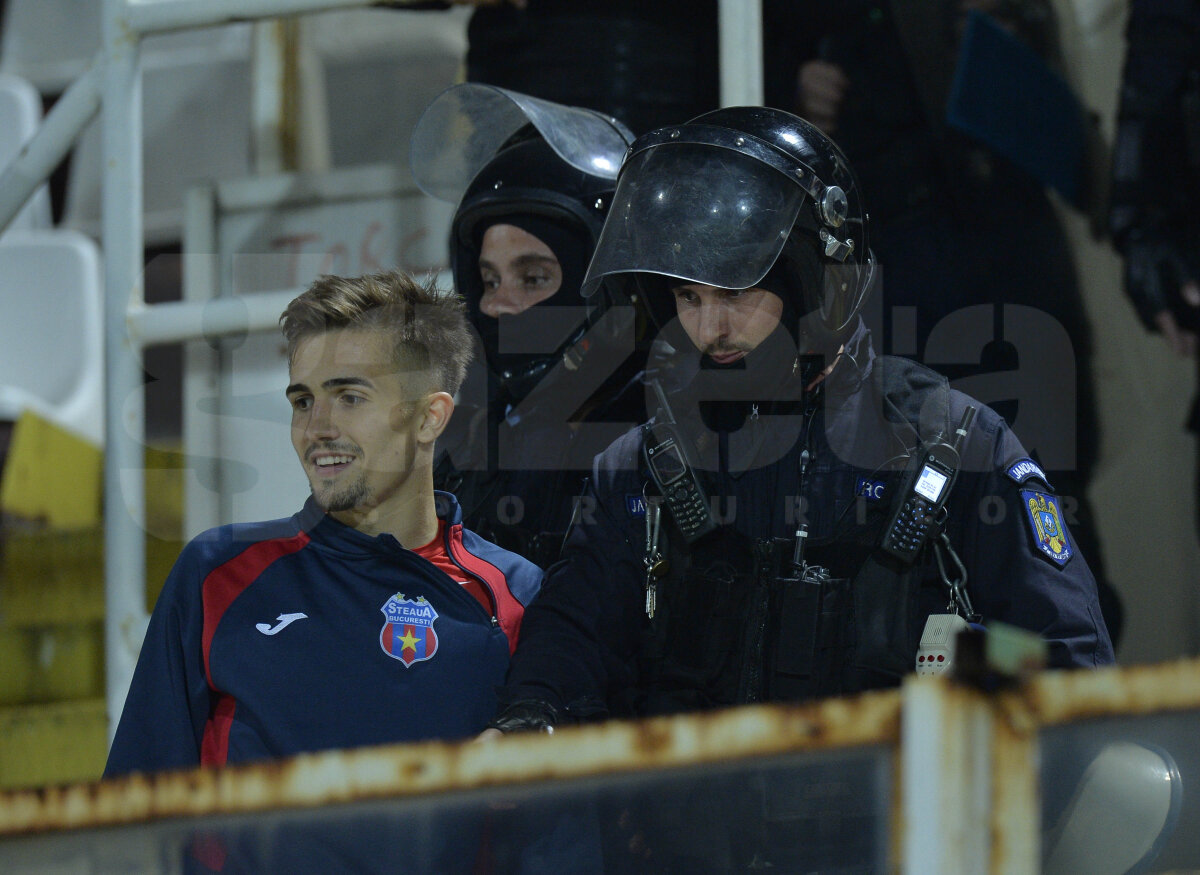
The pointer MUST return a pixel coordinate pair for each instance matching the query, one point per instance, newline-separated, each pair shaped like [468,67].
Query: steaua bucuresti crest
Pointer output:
[1045,521]
[408,630]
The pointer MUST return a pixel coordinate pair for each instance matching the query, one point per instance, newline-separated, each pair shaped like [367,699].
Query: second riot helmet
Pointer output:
[548,169]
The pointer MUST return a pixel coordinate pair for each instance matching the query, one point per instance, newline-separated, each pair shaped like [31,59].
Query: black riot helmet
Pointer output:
[735,198]
[548,169]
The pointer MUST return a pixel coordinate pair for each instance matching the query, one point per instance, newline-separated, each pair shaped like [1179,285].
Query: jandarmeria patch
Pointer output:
[1022,469]
[1046,526]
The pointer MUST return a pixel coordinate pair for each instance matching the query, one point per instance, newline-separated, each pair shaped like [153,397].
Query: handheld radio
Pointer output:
[927,482]
[666,456]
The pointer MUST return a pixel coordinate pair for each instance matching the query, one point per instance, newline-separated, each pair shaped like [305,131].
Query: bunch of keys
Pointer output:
[656,565]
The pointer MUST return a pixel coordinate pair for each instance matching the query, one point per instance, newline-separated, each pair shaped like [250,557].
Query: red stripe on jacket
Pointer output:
[509,611]
[224,584]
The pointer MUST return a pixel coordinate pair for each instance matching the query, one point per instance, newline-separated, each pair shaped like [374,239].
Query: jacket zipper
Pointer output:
[486,586]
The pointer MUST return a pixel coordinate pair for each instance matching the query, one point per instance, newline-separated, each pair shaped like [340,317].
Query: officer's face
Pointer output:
[518,271]
[725,324]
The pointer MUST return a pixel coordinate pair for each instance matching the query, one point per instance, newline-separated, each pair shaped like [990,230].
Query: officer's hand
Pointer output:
[525,715]
[820,88]
[489,734]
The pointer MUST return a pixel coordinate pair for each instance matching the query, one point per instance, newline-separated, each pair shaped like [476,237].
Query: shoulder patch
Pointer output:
[1046,526]
[1022,469]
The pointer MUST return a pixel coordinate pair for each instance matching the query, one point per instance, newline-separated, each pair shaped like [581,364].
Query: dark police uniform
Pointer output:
[729,629]
[954,222]
[751,198]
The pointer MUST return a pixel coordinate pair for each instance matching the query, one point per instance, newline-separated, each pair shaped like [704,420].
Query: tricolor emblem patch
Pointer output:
[408,629]
[1046,526]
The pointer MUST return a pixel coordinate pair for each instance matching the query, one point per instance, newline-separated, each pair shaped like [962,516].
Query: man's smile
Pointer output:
[329,463]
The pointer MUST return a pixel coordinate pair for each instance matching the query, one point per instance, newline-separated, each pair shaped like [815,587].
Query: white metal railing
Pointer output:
[51,143]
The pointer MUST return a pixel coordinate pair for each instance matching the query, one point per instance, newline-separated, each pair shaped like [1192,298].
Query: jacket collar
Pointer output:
[324,529]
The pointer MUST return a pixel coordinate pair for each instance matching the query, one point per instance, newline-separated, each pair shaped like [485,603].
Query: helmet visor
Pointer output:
[698,212]
[461,131]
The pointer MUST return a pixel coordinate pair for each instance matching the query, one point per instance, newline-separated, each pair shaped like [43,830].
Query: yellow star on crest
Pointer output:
[409,641]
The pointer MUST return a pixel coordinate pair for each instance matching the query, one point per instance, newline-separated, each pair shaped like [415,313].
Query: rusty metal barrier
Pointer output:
[934,777]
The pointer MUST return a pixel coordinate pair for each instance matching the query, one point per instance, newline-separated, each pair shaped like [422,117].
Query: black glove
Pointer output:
[526,715]
[1155,270]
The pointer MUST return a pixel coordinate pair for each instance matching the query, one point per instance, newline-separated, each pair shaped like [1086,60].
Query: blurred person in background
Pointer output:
[960,214]
[647,64]
[1154,213]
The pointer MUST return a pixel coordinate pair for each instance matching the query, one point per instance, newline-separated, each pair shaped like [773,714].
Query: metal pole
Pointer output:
[153,16]
[201,507]
[741,51]
[124,477]
[49,145]
[268,72]
[124,21]
[945,769]
[220,317]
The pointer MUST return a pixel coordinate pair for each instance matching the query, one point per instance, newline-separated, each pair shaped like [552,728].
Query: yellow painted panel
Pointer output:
[51,664]
[51,476]
[52,744]
[16,666]
[52,576]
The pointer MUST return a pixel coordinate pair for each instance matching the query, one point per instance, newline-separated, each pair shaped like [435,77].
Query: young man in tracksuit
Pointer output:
[371,616]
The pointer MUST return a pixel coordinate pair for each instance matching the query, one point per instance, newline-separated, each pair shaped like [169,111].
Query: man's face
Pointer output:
[518,271]
[354,420]
[725,324]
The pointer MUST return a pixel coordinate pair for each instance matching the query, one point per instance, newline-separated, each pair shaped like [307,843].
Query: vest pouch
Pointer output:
[696,640]
[544,548]
[885,608]
[810,644]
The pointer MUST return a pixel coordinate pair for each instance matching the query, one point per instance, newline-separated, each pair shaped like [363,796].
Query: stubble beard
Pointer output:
[335,499]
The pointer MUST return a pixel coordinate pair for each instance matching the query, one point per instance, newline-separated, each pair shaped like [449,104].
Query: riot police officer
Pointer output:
[533,180]
[754,540]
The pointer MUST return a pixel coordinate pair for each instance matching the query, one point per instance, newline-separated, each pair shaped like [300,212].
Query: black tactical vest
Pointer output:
[736,623]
